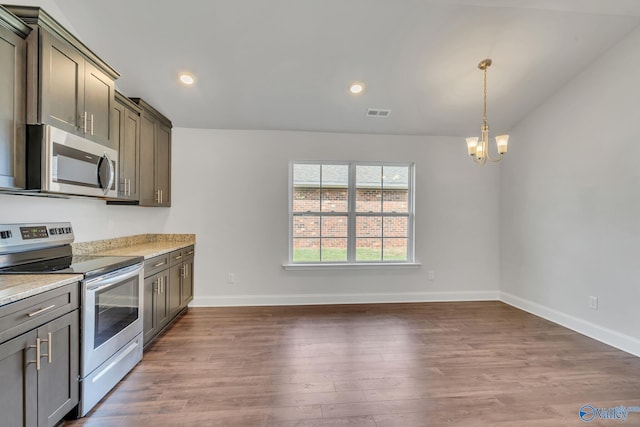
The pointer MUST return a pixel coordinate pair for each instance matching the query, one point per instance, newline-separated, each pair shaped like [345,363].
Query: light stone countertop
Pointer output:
[144,245]
[146,250]
[14,287]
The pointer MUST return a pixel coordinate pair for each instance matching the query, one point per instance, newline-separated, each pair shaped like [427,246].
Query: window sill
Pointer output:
[351,266]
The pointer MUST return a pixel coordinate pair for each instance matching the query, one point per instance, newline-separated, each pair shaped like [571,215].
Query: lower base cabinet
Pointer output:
[168,289]
[40,392]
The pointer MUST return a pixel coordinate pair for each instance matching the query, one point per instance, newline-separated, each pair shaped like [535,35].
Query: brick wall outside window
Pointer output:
[307,229]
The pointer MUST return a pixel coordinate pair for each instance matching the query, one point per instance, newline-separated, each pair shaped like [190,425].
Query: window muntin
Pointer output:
[351,213]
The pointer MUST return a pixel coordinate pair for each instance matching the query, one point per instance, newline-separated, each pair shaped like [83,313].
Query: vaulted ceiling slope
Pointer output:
[286,64]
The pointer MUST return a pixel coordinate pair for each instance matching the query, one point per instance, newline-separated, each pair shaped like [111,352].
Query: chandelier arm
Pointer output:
[500,156]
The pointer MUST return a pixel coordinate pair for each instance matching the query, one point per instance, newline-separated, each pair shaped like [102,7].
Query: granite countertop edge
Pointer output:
[16,287]
[144,245]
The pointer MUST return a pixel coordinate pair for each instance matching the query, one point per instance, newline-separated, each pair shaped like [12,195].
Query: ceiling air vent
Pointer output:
[378,112]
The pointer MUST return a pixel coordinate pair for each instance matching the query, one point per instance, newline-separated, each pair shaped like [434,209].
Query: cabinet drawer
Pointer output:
[156,264]
[179,256]
[29,313]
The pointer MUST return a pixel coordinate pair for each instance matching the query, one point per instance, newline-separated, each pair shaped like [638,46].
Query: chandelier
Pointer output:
[478,148]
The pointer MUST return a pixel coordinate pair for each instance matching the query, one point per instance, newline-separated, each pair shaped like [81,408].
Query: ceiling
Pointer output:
[286,64]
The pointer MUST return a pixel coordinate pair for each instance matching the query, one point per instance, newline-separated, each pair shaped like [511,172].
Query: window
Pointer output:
[351,213]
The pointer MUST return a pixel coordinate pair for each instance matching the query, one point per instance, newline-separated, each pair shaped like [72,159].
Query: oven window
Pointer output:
[116,308]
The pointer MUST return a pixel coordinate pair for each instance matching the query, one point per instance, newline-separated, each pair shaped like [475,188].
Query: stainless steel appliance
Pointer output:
[111,305]
[60,162]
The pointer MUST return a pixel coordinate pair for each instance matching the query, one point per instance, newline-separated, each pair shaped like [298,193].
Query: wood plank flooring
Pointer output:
[378,365]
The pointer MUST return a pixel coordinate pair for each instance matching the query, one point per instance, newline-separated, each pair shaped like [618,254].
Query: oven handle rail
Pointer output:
[108,280]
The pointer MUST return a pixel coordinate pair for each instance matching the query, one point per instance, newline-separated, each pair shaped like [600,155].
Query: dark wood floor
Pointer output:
[429,364]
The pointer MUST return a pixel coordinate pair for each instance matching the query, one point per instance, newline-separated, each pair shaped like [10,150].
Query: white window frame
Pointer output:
[352,215]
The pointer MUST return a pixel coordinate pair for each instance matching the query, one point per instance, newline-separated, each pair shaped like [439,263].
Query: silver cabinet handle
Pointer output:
[160,264]
[177,257]
[38,356]
[92,124]
[48,354]
[190,253]
[42,310]
[83,117]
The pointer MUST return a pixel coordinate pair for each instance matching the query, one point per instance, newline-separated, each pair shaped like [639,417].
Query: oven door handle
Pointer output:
[104,282]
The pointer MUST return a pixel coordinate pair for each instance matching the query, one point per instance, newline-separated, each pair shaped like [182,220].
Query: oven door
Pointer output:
[112,314]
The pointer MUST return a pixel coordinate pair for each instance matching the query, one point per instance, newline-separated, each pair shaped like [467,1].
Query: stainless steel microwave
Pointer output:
[60,162]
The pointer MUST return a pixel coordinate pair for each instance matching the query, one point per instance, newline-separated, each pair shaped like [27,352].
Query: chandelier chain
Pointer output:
[484,109]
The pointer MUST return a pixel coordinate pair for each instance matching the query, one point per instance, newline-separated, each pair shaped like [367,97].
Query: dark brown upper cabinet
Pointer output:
[155,156]
[13,92]
[126,131]
[68,86]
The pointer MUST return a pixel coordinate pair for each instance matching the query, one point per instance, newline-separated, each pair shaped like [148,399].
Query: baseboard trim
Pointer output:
[315,299]
[615,339]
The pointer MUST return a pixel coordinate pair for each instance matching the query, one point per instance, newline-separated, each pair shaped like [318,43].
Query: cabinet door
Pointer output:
[62,80]
[129,153]
[147,160]
[162,300]
[163,163]
[98,102]
[175,293]
[149,320]
[13,51]
[117,133]
[18,379]
[58,386]
[187,282]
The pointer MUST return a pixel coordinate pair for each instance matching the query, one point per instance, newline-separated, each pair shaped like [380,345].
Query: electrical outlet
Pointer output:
[593,303]
[431,275]
[231,278]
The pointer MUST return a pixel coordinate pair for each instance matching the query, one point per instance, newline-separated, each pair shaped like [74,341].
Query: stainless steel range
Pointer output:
[111,305]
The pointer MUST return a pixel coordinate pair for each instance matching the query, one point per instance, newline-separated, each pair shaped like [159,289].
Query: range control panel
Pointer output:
[20,237]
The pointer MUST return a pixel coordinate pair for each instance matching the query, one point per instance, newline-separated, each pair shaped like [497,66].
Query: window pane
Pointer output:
[395,249]
[334,226]
[368,188]
[335,181]
[396,189]
[306,226]
[396,226]
[306,188]
[306,250]
[334,249]
[369,226]
[368,249]
[335,200]
[395,200]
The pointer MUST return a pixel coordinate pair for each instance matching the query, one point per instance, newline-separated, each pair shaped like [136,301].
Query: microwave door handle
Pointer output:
[110,170]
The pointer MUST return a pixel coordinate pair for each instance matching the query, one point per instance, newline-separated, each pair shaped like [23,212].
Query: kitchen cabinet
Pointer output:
[181,278]
[13,95]
[168,288]
[156,305]
[157,286]
[126,131]
[69,87]
[155,156]
[39,367]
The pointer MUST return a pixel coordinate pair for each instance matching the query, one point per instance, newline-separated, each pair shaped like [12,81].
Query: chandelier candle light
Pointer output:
[478,148]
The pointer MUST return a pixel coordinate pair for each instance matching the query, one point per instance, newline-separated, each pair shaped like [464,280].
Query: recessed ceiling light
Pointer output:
[356,88]
[187,79]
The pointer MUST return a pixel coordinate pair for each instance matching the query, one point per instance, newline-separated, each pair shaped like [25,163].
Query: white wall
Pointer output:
[231,188]
[570,203]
